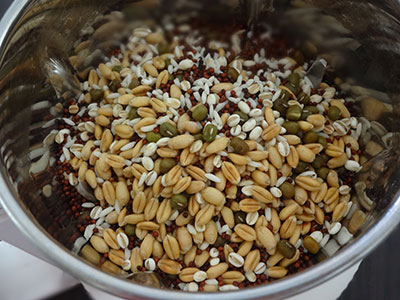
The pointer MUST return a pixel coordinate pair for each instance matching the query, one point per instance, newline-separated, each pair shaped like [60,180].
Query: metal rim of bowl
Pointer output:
[279,289]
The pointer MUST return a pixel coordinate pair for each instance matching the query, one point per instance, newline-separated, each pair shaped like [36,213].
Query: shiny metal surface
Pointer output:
[360,39]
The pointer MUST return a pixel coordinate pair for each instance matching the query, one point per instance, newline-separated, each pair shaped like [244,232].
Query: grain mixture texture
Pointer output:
[212,164]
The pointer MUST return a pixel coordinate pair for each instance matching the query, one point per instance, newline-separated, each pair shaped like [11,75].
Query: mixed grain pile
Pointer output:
[213,165]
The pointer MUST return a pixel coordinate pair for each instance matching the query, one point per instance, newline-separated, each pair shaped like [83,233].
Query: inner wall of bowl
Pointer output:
[358,40]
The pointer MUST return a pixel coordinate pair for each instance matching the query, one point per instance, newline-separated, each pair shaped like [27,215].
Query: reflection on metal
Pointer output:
[147,279]
[317,71]
[60,74]
[256,9]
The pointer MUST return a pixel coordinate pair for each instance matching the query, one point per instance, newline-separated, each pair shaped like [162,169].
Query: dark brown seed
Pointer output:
[287,190]
[286,249]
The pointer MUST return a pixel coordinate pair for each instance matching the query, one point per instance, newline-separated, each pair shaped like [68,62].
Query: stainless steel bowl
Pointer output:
[360,39]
